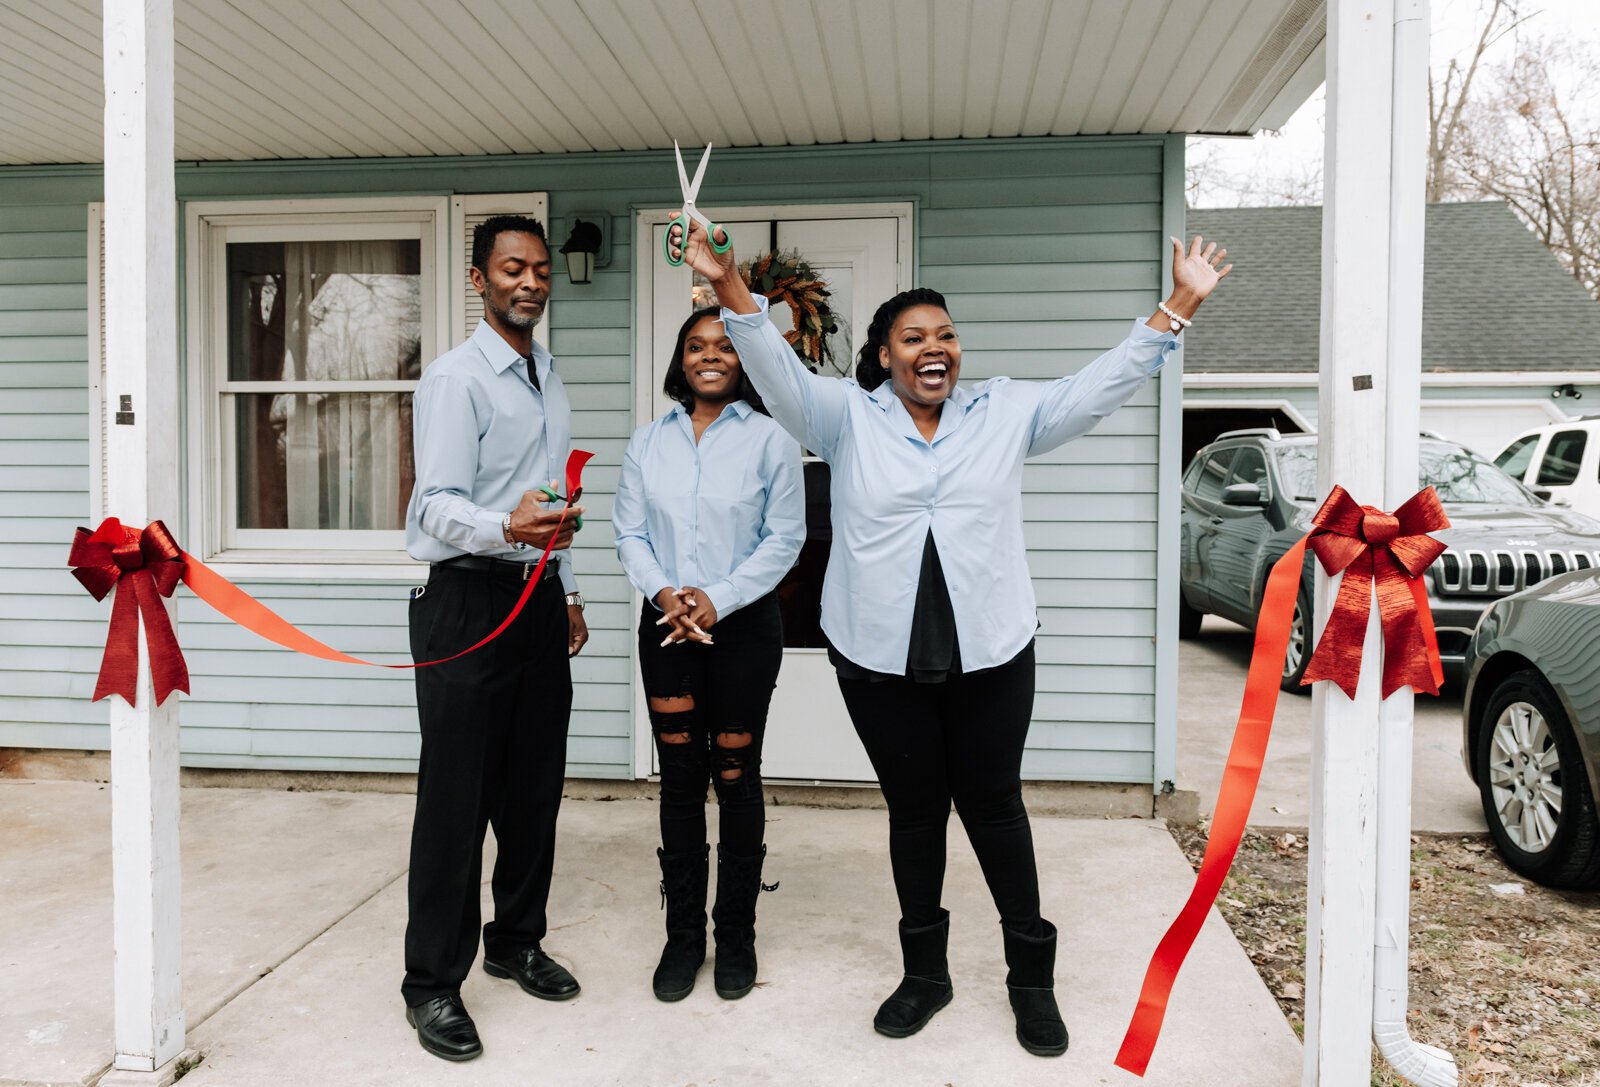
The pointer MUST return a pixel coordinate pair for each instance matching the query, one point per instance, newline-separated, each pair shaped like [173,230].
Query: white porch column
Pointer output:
[142,458]
[1352,450]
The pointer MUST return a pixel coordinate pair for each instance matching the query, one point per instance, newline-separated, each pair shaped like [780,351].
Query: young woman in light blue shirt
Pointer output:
[709,516]
[927,604]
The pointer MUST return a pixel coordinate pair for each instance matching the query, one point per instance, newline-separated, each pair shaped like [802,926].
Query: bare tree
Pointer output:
[1449,94]
[1528,145]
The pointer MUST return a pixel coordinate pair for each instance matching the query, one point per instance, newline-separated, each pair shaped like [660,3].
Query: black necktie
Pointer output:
[533,371]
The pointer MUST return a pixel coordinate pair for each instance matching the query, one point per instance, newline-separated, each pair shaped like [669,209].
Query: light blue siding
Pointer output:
[1045,249]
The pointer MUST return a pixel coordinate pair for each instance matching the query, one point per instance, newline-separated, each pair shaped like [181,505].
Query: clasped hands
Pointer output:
[688,612]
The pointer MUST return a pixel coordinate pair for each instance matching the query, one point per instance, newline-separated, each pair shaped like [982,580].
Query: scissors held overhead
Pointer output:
[681,221]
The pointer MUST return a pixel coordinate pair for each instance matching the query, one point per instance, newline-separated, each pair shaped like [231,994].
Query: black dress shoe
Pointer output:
[536,972]
[445,1029]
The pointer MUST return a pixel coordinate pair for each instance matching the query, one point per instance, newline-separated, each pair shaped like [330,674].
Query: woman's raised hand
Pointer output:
[698,254]
[1197,272]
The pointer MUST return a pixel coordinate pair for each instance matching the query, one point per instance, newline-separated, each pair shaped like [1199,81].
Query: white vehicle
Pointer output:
[1561,460]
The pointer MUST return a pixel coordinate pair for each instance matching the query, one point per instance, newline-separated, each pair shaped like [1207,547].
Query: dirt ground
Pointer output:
[1507,980]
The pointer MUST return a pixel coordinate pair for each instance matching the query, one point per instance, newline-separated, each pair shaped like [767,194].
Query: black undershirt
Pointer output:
[935,651]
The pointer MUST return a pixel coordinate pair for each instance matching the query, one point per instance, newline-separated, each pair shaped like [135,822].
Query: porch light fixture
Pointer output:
[581,247]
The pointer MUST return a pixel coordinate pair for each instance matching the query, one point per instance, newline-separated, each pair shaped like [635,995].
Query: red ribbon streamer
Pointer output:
[1369,545]
[154,563]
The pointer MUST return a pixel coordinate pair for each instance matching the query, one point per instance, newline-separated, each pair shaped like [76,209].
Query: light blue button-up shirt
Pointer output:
[483,435]
[891,486]
[727,515]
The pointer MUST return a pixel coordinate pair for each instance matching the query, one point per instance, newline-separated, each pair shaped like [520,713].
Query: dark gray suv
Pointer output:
[1249,495]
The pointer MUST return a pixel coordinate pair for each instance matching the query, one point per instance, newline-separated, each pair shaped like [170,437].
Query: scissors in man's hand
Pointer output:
[552,495]
[689,212]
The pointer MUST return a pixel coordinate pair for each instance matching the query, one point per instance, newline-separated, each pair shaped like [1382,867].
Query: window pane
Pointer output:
[1250,466]
[1562,458]
[1514,461]
[318,461]
[325,311]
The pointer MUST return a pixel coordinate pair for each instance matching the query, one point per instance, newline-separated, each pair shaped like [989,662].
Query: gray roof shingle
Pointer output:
[1494,299]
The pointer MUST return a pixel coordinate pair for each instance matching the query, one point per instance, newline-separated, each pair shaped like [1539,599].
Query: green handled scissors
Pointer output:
[689,212]
[551,495]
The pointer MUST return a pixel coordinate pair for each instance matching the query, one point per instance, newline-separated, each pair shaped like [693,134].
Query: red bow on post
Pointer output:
[152,560]
[1391,550]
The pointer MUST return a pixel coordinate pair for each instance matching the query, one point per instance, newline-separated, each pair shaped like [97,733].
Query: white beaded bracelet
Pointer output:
[1178,323]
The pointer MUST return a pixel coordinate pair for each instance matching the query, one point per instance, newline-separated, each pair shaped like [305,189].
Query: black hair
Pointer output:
[870,372]
[676,383]
[484,234]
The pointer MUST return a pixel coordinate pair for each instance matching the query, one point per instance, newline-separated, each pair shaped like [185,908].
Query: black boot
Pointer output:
[683,894]
[926,986]
[734,922]
[1031,981]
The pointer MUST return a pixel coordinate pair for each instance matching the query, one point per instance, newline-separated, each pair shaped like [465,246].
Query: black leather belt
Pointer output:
[483,564]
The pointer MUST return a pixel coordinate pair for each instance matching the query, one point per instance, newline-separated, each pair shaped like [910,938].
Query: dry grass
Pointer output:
[1509,983]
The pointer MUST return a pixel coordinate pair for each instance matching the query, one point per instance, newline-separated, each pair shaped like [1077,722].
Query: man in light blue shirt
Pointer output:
[491,424]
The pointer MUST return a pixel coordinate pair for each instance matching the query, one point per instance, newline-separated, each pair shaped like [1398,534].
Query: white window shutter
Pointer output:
[466,212]
[97,363]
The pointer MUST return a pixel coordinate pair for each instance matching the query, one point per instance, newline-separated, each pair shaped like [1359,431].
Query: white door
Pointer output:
[809,736]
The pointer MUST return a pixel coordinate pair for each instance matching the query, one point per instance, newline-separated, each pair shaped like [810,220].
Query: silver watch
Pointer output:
[575,600]
[505,530]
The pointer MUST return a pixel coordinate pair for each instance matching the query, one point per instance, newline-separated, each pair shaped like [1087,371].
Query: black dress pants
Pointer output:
[494,750]
[961,741]
[714,716]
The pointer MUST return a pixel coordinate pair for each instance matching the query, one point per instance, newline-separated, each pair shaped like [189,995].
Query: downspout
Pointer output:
[1424,1065]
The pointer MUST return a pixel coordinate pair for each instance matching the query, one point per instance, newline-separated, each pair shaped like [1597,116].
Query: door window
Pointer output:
[1250,466]
[1517,456]
[1562,457]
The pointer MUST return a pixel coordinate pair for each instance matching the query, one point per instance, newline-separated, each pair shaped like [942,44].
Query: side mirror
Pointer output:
[1243,494]
[1541,493]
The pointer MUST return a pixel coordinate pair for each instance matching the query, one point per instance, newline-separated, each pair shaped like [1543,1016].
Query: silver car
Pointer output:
[1531,727]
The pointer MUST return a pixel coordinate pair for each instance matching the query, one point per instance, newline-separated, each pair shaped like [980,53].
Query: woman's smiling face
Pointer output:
[923,355]
[710,364]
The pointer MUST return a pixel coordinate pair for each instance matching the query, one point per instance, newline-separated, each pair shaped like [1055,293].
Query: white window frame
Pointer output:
[210,432]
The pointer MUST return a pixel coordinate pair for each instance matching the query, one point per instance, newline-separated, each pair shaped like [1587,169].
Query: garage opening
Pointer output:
[1202,425]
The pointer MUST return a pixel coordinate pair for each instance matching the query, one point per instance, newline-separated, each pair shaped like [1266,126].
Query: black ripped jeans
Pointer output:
[708,708]
[961,741]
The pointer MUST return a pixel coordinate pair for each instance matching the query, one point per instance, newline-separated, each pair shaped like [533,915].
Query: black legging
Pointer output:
[708,708]
[959,740]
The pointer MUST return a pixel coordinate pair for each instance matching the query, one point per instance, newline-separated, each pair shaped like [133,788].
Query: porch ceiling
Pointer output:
[360,78]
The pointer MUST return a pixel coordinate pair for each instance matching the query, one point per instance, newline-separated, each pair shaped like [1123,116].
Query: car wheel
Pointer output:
[1188,618]
[1299,652]
[1535,790]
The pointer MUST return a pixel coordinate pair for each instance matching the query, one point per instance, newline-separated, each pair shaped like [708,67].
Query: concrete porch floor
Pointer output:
[295,908]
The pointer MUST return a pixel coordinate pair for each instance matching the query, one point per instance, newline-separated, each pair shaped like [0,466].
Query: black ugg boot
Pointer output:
[1031,981]
[926,986]
[734,922]
[683,893]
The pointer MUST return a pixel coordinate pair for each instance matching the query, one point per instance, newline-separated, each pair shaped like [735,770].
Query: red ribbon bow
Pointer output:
[1391,550]
[111,557]
[1369,546]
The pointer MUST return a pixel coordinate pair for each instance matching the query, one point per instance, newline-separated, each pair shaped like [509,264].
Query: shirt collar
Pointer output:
[501,355]
[741,408]
[884,396]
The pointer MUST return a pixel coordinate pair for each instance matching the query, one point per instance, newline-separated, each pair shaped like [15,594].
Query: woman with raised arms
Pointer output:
[927,603]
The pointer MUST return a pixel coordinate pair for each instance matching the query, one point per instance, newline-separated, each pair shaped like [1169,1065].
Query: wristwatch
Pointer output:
[505,530]
[575,600]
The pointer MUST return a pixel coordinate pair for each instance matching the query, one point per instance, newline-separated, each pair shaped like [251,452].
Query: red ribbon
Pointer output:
[157,564]
[1369,546]
[149,565]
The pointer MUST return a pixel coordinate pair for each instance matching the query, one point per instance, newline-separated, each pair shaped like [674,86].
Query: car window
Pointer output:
[1562,458]
[1213,472]
[1460,475]
[1192,476]
[1250,466]
[1456,473]
[1514,461]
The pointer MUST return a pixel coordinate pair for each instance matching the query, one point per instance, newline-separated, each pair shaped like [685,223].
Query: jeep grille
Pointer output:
[1478,572]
